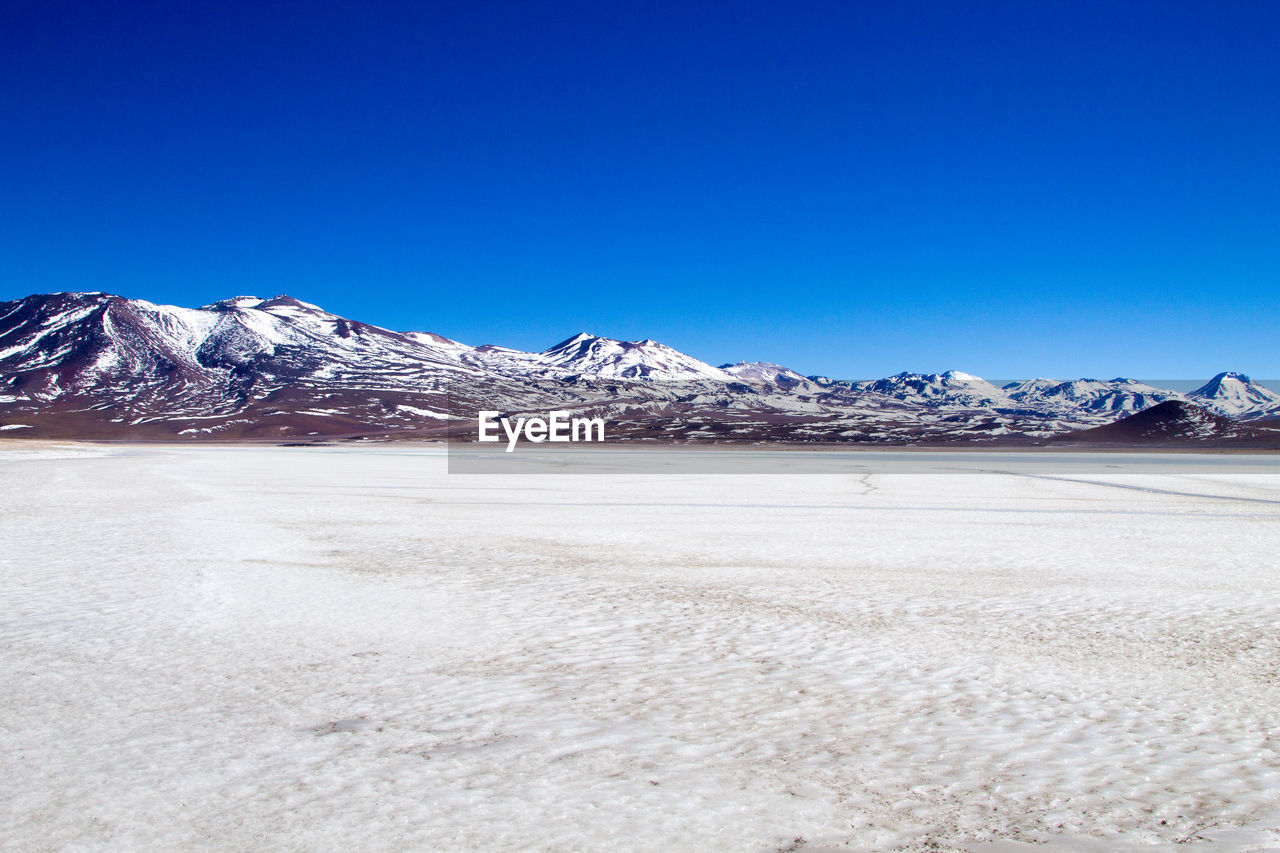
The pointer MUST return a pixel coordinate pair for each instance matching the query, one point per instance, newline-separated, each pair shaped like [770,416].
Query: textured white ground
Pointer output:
[332,649]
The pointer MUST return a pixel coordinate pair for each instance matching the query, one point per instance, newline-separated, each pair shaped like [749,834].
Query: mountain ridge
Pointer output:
[95,364]
[1176,423]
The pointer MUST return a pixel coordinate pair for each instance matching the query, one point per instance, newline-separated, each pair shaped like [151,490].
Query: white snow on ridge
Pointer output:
[609,358]
[605,358]
[1115,397]
[1235,395]
[425,413]
[953,387]
[51,325]
[766,372]
[234,302]
[84,343]
[451,349]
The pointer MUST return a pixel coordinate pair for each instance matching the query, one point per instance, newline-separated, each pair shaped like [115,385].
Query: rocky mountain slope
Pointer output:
[1175,423]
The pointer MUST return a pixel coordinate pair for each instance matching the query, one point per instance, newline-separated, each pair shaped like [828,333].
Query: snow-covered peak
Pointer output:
[581,342]
[282,305]
[765,372]
[952,387]
[579,338]
[613,359]
[1079,387]
[1091,396]
[234,302]
[1235,395]
[285,304]
[434,339]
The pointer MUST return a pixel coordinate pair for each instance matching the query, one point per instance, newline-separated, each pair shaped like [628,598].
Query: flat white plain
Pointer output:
[332,648]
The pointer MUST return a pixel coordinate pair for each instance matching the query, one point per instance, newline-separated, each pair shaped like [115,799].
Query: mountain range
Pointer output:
[94,365]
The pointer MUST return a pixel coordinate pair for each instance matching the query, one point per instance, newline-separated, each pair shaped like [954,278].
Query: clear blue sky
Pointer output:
[851,188]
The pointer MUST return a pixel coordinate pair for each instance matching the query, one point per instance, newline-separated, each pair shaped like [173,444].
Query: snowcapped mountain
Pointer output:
[1235,395]
[69,340]
[97,365]
[935,389]
[604,358]
[766,373]
[1086,397]
[96,362]
[93,363]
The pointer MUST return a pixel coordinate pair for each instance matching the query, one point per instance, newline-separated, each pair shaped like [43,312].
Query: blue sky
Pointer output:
[849,188]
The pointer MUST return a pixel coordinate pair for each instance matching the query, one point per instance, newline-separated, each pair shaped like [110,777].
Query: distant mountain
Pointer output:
[1176,423]
[1087,397]
[97,365]
[768,373]
[1237,396]
[929,389]
[94,365]
[604,358]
